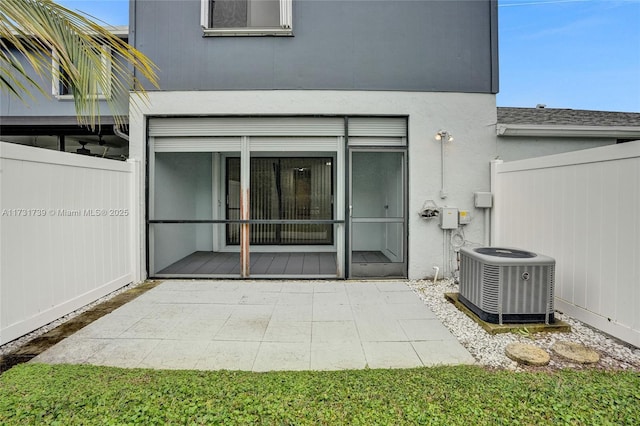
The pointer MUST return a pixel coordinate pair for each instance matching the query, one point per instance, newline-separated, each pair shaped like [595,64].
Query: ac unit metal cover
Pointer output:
[507,285]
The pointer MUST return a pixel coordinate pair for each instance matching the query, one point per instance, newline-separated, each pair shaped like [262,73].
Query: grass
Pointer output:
[465,395]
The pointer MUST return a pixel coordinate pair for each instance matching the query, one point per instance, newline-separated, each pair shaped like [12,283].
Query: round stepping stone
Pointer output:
[524,353]
[576,352]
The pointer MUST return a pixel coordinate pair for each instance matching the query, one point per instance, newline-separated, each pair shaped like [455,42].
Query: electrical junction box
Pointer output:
[464,217]
[449,218]
[483,200]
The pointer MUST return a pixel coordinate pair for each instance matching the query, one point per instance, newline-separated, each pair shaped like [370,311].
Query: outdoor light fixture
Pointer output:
[444,136]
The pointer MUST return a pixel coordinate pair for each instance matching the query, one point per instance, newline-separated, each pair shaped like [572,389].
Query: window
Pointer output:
[287,188]
[246,17]
[60,83]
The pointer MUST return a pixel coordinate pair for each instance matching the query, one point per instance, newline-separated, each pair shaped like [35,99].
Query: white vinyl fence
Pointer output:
[66,234]
[583,209]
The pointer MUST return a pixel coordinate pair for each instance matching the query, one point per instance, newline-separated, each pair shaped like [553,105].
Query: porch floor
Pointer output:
[369,257]
[268,263]
[288,263]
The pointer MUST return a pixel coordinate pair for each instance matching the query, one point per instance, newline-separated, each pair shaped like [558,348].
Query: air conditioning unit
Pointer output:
[506,285]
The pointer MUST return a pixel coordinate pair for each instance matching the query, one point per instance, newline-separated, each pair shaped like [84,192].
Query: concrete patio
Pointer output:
[266,325]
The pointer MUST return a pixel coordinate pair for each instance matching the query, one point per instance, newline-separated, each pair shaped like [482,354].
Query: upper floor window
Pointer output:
[246,17]
[61,87]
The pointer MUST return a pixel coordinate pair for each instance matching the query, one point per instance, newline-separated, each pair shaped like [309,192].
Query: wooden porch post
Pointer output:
[245,177]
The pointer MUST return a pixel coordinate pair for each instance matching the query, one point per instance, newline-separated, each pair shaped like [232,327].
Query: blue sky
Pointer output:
[581,54]
[570,54]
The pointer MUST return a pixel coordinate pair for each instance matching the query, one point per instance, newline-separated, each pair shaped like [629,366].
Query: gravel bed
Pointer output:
[488,349]
[15,344]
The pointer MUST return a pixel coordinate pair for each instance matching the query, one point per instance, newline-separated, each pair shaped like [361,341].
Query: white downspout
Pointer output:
[443,136]
[443,191]
[120,134]
[487,227]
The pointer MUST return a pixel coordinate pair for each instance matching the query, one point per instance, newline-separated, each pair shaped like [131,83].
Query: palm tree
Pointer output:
[62,44]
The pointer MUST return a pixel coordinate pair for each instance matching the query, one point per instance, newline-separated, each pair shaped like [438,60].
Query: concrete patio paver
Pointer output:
[292,313]
[195,328]
[329,312]
[337,355]
[334,331]
[290,356]
[123,352]
[442,352]
[409,311]
[373,328]
[107,329]
[288,331]
[175,354]
[229,355]
[390,355]
[264,326]
[424,329]
[245,329]
[73,350]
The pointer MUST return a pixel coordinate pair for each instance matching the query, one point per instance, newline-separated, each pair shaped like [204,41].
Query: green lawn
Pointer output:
[32,393]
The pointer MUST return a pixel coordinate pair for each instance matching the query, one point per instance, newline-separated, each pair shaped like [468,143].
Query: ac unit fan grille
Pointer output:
[491,287]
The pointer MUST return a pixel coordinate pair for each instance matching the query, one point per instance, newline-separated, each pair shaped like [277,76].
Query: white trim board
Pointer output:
[557,130]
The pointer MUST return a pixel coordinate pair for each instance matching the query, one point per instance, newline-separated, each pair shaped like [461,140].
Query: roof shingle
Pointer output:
[568,117]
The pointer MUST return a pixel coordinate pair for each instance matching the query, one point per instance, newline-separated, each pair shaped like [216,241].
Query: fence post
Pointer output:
[135,223]
[495,211]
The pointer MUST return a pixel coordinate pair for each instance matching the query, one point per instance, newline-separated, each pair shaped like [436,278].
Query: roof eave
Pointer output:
[120,31]
[618,132]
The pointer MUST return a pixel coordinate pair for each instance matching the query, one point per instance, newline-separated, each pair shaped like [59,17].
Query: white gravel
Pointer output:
[488,349]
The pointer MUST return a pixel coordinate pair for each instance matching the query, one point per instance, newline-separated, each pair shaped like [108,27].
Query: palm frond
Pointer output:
[13,77]
[63,44]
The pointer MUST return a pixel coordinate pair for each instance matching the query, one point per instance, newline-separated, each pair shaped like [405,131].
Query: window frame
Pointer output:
[285,28]
[56,73]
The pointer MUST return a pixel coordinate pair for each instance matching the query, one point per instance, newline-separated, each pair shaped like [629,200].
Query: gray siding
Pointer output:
[41,104]
[46,104]
[416,45]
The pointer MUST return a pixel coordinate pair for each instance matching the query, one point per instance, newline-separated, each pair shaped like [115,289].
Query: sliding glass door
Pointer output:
[186,228]
[283,189]
[377,213]
[266,197]
[287,227]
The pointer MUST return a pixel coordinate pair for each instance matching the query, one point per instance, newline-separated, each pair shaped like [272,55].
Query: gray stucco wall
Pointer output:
[469,117]
[511,148]
[415,45]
